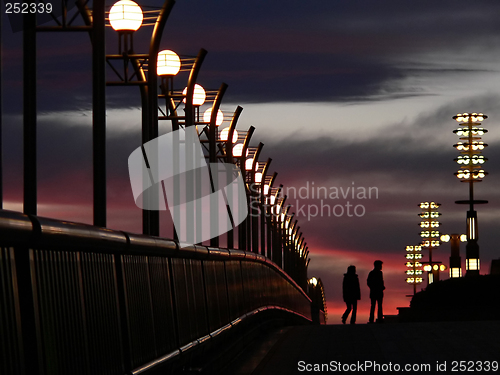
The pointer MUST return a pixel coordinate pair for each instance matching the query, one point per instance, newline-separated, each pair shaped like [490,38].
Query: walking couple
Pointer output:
[352,293]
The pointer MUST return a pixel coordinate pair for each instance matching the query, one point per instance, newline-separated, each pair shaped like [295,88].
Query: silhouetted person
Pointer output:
[375,282]
[351,293]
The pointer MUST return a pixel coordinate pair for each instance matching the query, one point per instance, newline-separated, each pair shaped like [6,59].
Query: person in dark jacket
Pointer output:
[351,293]
[375,282]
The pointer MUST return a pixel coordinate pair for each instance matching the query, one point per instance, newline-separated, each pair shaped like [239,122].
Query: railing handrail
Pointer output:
[39,232]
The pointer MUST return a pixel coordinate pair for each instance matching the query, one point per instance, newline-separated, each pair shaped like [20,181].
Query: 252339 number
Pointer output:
[471,366]
[24,8]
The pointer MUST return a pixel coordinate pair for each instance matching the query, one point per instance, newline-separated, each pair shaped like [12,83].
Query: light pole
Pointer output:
[430,235]
[455,260]
[94,23]
[254,181]
[414,266]
[272,218]
[280,213]
[229,136]
[433,270]
[265,184]
[240,152]
[471,171]
[126,17]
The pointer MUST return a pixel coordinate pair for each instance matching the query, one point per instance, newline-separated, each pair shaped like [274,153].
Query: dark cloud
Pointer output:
[404,176]
[279,51]
[339,50]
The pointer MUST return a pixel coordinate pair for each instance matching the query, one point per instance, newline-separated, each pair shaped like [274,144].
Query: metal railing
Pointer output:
[78,299]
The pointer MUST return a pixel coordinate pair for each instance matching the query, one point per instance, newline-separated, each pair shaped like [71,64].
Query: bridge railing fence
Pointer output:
[77,299]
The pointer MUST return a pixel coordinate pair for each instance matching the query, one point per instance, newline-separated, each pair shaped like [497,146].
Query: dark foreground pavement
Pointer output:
[432,348]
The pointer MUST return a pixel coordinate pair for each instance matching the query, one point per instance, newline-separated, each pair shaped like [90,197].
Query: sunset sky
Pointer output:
[343,94]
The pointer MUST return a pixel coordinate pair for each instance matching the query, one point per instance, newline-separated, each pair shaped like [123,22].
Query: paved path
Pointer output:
[292,349]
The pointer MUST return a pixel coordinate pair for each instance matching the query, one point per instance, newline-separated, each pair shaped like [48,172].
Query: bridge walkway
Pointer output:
[295,350]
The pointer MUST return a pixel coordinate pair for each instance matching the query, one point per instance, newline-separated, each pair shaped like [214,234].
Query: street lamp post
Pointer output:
[278,232]
[285,222]
[455,260]
[471,171]
[414,266]
[254,181]
[126,17]
[229,136]
[215,117]
[239,151]
[288,250]
[430,235]
[95,23]
[272,212]
[29,115]
[265,186]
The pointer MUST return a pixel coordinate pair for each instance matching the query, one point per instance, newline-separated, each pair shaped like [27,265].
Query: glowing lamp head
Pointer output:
[168,63]
[479,174]
[470,117]
[464,132]
[199,95]
[238,150]
[463,238]
[313,281]
[224,134]
[258,177]
[125,15]
[467,160]
[463,174]
[424,205]
[455,272]
[266,190]
[218,120]
[427,267]
[445,237]
[472,264]
[475,146]
[249,164]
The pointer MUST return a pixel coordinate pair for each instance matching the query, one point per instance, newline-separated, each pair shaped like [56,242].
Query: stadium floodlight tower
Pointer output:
[414,266]
[471,171]
[430,235]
